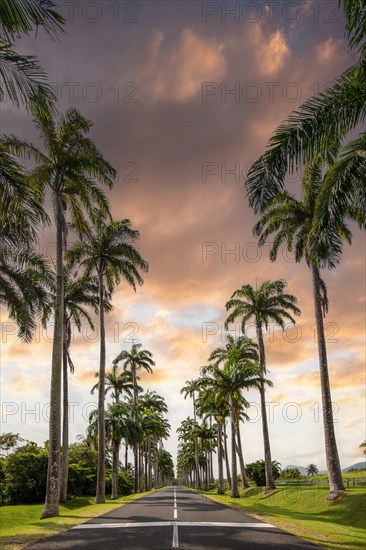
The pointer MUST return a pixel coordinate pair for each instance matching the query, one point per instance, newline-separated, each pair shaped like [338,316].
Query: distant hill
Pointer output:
[302,470]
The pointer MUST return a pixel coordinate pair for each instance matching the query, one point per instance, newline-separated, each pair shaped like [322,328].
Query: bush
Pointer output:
[125,483]
[26,475]
[82,480]
[256,472]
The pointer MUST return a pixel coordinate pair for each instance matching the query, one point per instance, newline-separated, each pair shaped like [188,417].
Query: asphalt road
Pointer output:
[174,518]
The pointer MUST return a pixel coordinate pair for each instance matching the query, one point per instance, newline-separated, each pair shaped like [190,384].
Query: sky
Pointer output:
[184,96]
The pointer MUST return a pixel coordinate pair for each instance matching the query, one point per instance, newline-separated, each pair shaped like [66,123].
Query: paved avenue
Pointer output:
[174,518]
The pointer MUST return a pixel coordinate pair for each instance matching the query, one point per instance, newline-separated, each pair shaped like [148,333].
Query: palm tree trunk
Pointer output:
[267,448]
[115,461]
[221,487]
[51,507]
[126,455]
[135,447]
[65,424]
[228,475]
[196,450]
[234,478]
[333,465]
[150,464]
[239,449]
[100,494]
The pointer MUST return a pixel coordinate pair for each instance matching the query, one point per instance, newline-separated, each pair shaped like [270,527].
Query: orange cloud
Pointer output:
[179,75]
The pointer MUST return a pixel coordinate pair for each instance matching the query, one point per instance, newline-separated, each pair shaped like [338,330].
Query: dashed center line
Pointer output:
[175,542]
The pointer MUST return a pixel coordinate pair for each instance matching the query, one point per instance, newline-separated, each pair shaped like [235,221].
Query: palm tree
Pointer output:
[119,423]
[240,370]
[293,222]
[190,389]
[187,434]
[266,304]
[208,438]
[69,166]
[135,360]
[24,278]
[107,249]
[318,128]
[312,470]
[79,294]
[22,79]
[117,382]
[214,405]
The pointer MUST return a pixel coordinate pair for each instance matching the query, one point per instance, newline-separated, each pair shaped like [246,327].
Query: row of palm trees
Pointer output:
[240,365]
[136,418]
[68,171]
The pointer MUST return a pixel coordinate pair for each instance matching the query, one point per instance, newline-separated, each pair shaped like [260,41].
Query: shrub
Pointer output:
[26,475]
[256,472]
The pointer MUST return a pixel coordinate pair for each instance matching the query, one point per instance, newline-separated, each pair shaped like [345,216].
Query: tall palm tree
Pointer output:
[135,360]
[119,423]
[80,293]
[190,389]
[293,222]
[108,250]
[319,127]
[117,382]
[216,405]
[266,304]
[22,78]
[240,371]
[69,167]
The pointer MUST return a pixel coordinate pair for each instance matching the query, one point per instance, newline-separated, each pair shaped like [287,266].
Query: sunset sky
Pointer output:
[184,96]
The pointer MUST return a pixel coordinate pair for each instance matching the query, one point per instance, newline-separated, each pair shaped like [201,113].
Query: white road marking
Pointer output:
[175,515]
[172,523]
[123,525]
[175,542]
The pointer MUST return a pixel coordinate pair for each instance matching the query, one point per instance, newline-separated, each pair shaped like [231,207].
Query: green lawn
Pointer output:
[21,524]
[305,511]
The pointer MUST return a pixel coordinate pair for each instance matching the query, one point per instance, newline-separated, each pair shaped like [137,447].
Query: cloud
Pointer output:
[178,74]
[271,52]
[329,50]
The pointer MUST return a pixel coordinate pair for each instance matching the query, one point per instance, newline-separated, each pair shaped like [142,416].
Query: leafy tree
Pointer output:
[363,446]
[268,303]
[9,441]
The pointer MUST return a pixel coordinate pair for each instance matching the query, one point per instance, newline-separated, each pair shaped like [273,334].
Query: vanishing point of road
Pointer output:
[174,518]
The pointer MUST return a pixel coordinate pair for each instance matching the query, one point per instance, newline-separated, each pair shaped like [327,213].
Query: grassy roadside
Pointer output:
[21,524]
[305,511]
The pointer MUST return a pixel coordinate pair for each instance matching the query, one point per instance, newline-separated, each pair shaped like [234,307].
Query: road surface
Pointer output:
[174,518]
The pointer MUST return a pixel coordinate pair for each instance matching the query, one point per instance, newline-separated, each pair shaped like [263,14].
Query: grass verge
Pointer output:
[305,511]
[21,524]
